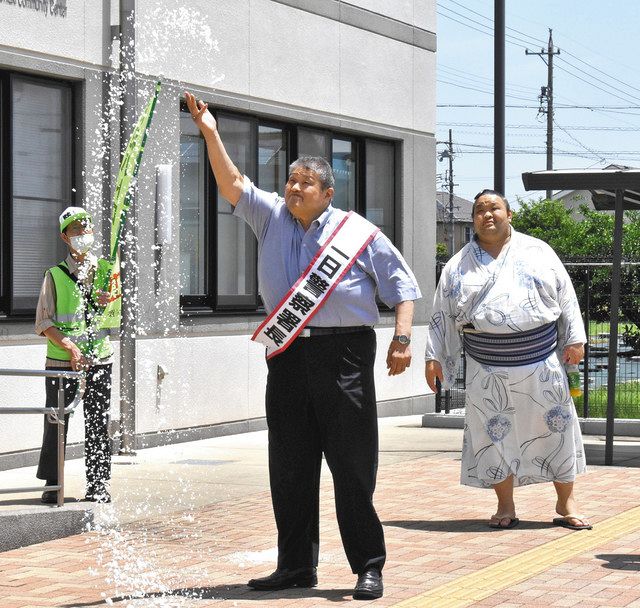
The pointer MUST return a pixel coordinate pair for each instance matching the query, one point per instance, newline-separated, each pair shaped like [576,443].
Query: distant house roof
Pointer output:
[564,194]
[461,208]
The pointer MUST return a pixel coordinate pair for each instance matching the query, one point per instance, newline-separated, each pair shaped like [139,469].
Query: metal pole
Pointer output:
[613,329]
[498,103]
[129,257]
[550,108]
[452,224]
[61,428]
[587,322]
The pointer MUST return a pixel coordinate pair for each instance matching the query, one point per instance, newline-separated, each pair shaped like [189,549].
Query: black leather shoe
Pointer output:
[50,497]
[369,585]
[283,578]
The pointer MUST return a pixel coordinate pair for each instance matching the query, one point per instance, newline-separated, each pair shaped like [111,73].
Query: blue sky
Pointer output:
[598,45]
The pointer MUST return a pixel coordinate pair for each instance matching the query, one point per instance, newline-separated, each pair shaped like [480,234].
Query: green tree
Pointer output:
[549,221]
[442,252]
[588,239]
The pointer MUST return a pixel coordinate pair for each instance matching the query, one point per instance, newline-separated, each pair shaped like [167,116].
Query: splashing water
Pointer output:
[137,563]
[180,38]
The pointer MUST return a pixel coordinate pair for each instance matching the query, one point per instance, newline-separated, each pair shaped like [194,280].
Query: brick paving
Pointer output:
[435,529]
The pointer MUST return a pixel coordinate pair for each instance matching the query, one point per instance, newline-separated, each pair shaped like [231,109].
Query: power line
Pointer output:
[486,81]
[559,106]
[593,67]
[538,127]
[489,33]
[579,142]
[491,21]
[627,95]
[482,80]
[462,86]
[510,39]
[484,149]
[537,40]
[611,94]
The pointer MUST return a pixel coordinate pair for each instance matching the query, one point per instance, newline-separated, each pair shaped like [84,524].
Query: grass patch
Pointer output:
[603,327]
[627,402]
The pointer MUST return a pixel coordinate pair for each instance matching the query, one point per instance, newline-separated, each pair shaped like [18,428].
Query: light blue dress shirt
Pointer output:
[285,250]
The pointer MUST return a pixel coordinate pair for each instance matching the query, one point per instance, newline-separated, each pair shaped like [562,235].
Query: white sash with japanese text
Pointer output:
[311,290]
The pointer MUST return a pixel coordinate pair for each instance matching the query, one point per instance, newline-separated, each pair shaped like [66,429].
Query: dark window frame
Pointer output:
[7,310]
[204,302]
[209,304]
[239,303]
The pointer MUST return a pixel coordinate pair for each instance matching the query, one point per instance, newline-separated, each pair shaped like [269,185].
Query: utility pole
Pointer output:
[546,94]
[451,222]
[448,154]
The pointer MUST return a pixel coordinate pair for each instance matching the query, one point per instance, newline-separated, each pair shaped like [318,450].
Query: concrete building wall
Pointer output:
[373,73]
[77,36]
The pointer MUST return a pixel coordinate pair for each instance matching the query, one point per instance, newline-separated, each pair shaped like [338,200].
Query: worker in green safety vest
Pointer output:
[69,314]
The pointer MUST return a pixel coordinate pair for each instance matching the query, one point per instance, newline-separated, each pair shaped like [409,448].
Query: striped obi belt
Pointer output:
[511,350]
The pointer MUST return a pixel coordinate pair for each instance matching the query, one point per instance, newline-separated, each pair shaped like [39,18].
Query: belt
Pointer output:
[310,332]
[511,350]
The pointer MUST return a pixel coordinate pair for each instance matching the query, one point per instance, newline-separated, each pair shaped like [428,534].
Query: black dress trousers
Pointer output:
[321,399]
[97,448]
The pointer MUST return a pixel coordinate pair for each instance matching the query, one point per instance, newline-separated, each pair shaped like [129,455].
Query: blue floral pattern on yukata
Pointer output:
[498,428]
[558,419]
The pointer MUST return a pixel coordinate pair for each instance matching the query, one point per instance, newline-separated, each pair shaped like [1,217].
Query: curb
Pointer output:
[25,527]
[589,426]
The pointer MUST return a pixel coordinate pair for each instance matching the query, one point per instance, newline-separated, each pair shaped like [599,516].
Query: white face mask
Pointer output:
[81,243]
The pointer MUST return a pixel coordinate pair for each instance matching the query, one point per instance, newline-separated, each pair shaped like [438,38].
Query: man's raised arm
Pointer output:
[229,179]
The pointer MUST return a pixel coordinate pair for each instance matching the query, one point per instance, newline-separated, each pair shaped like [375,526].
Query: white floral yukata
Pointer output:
[519,420]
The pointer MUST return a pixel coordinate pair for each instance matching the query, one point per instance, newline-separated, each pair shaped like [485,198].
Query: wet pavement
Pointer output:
[191,523]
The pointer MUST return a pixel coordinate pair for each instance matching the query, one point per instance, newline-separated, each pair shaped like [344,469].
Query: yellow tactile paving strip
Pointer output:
[471,588]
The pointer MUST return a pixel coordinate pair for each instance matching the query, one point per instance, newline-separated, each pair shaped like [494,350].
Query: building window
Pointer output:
[35,185]
[343,162]
[193,210]
[218,252]
[468,233]
[380,186]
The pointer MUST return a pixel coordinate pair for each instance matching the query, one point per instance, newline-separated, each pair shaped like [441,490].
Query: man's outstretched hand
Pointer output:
[201,116]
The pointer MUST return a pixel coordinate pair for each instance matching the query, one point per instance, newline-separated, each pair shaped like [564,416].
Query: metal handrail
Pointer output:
[54,415]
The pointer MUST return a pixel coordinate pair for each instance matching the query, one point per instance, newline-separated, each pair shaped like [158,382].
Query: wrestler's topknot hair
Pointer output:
[492,193]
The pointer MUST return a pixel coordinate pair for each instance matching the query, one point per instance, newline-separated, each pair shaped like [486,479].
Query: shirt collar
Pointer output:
[321,220]
[89,258]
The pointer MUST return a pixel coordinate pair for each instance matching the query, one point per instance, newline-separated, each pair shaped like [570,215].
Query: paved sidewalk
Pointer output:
[191,523]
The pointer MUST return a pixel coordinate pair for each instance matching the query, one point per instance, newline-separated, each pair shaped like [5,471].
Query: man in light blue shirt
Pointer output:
[284,245]
[320,391]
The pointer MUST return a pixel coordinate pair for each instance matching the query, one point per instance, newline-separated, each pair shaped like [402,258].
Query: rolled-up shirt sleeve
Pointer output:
[255,206]
[394,279]
[46,305]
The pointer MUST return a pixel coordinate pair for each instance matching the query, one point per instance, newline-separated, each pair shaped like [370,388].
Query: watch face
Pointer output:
[403,339]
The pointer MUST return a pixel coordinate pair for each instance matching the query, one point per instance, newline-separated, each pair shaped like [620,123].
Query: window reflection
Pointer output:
[344,171]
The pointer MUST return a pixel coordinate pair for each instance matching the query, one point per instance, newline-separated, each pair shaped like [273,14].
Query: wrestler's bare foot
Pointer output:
[569,512]
[506,511]
[567,506]
[500,520]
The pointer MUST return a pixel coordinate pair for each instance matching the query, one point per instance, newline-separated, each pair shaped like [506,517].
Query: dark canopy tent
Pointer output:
[612,189]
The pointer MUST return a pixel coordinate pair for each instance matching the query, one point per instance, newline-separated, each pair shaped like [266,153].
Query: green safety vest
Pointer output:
[73,318]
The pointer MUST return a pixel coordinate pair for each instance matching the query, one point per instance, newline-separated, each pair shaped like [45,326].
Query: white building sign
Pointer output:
[56,8]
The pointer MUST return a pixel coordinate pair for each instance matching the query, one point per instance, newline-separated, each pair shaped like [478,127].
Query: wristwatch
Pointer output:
[404,340]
